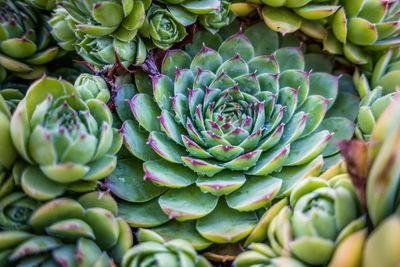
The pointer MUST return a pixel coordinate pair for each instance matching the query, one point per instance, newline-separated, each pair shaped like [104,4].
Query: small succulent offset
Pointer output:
[25,41]
[217,19]
[320,213]
[227,131]
[92,87]
[162,27]
[16,209]
[68,143]
[155,251]
[67,232]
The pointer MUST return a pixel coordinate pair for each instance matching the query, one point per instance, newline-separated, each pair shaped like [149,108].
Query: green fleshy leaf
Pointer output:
[127,182]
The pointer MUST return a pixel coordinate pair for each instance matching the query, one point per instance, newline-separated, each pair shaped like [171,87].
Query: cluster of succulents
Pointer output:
[346,27]
[195,133]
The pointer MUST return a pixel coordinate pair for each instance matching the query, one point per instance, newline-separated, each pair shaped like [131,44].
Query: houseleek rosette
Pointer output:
[92,87]
[217,19]
[319,215]
[67,142]
[25,42]
[154,250]
[16,209]
[162,27]
[69,232]
[227,131]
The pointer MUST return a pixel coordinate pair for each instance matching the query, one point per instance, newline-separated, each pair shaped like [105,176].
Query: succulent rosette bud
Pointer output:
[69,232]
[319,214]
[154,250]
[92,87]
[25,42]
[220,138]
[16,209]
[162,27]
[99,18]
[217,19]
[69,143]
[366,24]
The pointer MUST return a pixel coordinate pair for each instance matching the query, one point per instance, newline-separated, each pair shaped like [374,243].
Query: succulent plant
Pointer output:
[218,18]
[25,42]
[366,23]
[162,27]
[155,251]
[107,18]
[68,143]
[15,211]
[92,87]
[319,214]
[102,52]
[226,133]
[68,232]
[99,49]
